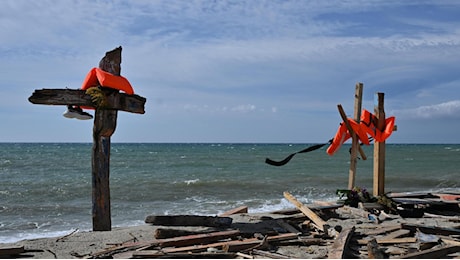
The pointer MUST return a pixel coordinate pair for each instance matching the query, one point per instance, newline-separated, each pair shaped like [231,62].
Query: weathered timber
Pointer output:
[354,138]
[433,253]
[266,254]
[77,97]
[379,148]
[305,210]
[382,230]
[105,122]
[196,239]
[6,252]
[340,245]
[432,230]
[374,251]
[161,233]
[185,255]
[396,234]
[242,209]
[401,240]
[232,245]
[188,220]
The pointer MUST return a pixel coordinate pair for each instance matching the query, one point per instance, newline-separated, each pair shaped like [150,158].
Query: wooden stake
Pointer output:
[379,147]
[355,141]
[105,122]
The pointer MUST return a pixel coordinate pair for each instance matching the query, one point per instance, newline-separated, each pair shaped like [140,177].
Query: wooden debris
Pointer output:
[432,230]
[161,233]
[341,244]
[308,212]
[374,251]
[242,209]
[196,239]
[6,252]
[433,252]
[189,220]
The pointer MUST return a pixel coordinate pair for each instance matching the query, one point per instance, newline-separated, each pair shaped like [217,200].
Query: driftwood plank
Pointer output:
[232,245]
[78,97]
[189,220]
[11,251]
[433,252]
[382,230]
[374,251]
[183,255]
[242,209]
[396,234]
[390,241]
[161,233]
[341,243]
[197,239]
[432,230]
[305,210]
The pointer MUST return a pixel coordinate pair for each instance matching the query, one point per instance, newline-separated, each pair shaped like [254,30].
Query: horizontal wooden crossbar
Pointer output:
[78,97]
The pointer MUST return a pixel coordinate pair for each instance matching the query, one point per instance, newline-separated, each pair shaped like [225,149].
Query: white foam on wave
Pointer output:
[33,235]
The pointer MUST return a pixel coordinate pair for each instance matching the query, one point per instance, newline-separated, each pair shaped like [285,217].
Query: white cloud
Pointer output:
[450,109]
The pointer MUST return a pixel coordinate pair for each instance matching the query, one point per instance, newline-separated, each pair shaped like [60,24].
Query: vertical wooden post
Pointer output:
[355,140]
[105,122]
[379,147]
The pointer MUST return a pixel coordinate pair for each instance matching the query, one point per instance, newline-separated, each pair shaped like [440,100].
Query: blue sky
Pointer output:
[235,71]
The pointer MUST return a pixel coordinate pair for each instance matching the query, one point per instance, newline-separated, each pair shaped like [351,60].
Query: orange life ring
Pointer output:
[98,77]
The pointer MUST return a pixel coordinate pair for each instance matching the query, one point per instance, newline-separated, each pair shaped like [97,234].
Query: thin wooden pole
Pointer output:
[379,147]
[354,137]
[105,122]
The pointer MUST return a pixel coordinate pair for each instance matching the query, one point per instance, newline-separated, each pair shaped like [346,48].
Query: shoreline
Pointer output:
[288,233]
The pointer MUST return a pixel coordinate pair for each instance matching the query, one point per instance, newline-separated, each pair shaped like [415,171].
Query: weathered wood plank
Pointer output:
[77,97]
[341,244]
[379,148]
[433,253]
[197,239]
[188,220]
[305,210]
[11,251]
[161,233]
[242,209]
[390,241]
[432,230]
[374,251]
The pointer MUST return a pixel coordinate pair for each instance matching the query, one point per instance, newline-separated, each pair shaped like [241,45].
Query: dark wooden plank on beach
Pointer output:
[341,244]
[431,230]
[433,253]
[197,239]
[305,210]
[161,233]
[379,147]
[11,251]
[231,246]
[183,255]
[401,240]
[242,209]
[188,220]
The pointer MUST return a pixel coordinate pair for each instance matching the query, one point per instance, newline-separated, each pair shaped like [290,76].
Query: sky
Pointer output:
[235,71]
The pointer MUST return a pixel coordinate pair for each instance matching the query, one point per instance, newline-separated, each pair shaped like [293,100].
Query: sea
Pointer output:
[46,188]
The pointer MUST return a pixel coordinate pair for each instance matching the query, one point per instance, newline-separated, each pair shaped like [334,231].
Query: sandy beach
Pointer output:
[361,226]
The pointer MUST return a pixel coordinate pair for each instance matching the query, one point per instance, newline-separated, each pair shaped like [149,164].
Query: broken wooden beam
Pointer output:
[341,243]
[196,239]
[242,209]
[319,222]
[188,220]
[78,97]
[161,233]
[433,253]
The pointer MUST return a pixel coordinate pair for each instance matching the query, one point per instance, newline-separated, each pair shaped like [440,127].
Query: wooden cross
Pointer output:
[105,122]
